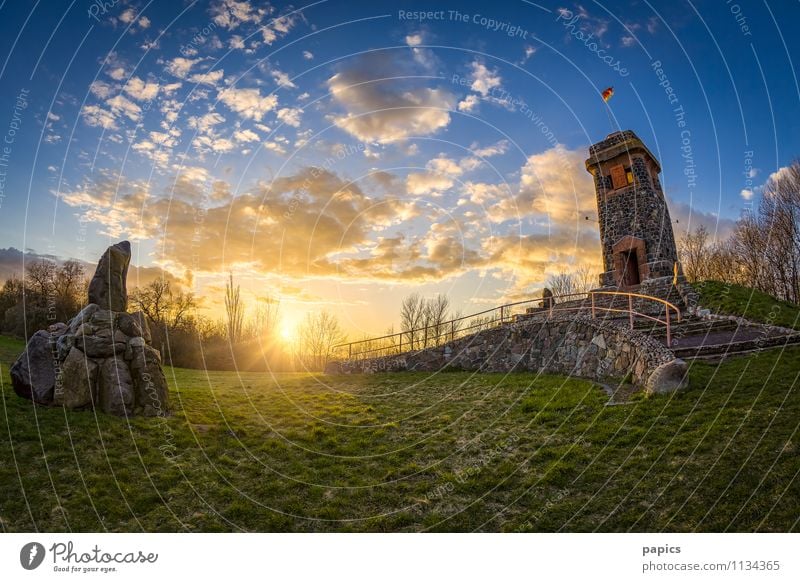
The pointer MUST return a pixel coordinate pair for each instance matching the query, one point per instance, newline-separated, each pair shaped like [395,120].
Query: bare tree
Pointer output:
[412,312]
[317,336]
[561,284]
[164,307]
[694,254]
[437,313]
[153,299]
[234,310]
[264,319]
[40,277]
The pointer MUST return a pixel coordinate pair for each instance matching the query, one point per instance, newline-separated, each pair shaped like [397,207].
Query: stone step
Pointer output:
[685,328]
[719,351]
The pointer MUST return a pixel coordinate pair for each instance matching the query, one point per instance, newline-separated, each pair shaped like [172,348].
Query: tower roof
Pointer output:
[615,144]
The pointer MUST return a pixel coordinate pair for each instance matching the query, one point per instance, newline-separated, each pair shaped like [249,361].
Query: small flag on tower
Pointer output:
[608,94]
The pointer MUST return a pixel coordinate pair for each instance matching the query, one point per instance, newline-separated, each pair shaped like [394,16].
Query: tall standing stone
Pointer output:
[102,359]
[108,287]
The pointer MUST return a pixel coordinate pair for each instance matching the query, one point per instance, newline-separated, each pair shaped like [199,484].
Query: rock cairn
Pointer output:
[101,359]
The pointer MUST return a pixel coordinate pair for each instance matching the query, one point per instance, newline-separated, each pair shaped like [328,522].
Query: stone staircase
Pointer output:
[711,338]
[714,338]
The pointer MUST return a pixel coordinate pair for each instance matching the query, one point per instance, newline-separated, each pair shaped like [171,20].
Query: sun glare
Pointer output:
[286,333]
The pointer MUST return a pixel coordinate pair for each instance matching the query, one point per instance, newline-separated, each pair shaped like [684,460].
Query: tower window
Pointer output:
[629,175]
[618,177]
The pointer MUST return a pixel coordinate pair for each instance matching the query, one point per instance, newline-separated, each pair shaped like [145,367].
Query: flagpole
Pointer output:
[606,95]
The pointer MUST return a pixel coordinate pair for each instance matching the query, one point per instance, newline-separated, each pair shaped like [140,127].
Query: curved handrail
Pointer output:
[505,309]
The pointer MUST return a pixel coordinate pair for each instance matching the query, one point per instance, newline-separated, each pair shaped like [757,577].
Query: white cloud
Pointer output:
[230,14]
[209,78]
[282,79]
[387,111]
[495,149]
[308,55]
[246,135]
[445,166]
[483,80]
[290,116]
[205,123]
[117,73]
[100,89]
[141,90]
[426,182]
[170,88]
[414,39]
[248,103]
[529,52]
[180,66]
[746,194]
[98,117]
[128,16]
[468,104]
[121,105]
[274,147]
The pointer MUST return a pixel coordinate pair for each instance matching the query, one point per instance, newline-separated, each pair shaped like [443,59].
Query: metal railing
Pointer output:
[440,333]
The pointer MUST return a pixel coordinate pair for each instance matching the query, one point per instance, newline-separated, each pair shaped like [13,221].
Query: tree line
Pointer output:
[762,252]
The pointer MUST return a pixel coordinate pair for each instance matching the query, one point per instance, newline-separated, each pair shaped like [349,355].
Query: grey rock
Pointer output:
[108,287]
[136,342]
[84,315]
[115,387]
[64,344]
[84,329]
[103,319]
[140,318]
[96,346]
[33,375]
[151,391]
[668,377]
[129,325]
[57,329]
[77,385]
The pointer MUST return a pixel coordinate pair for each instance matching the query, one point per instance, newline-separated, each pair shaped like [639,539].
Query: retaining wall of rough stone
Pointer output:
[564,344]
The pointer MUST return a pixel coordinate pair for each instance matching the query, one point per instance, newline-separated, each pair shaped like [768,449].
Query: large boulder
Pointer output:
[33,375]
[668,377]
[115,387]
[108,286]
[78,386]
[150,384]
[97,346]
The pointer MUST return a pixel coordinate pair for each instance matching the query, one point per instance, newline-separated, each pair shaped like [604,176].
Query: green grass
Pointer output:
[730,299]
[411,452]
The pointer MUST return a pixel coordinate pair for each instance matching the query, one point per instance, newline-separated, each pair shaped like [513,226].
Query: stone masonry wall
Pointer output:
[570,345]
[637,210]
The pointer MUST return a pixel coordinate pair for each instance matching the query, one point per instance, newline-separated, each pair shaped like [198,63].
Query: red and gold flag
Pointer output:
[608,94]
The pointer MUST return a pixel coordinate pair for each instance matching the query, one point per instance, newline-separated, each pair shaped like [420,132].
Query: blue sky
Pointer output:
[340,155]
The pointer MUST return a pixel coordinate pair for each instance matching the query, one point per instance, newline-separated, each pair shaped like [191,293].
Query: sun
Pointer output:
[287,333]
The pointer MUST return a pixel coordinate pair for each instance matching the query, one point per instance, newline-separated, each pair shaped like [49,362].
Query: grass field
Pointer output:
[730,299]
[412,452]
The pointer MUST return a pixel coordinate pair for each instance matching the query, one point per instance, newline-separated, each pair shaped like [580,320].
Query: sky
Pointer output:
[341,155]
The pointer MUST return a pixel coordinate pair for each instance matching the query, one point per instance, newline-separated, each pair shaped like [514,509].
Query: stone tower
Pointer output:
[635,226]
